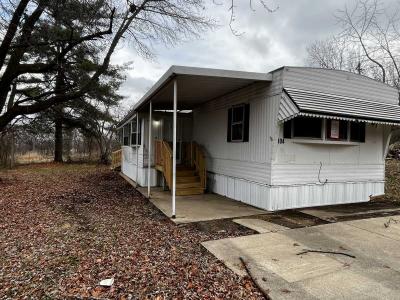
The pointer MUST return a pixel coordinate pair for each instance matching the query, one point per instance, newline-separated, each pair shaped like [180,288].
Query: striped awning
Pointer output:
[295,102]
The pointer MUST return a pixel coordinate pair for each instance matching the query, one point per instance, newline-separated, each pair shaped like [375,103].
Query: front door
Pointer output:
[167,130]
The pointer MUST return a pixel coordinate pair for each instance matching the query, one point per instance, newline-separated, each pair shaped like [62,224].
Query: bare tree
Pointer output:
[142,22]
[369,42]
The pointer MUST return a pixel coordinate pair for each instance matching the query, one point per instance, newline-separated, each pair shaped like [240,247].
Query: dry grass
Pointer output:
[33,157]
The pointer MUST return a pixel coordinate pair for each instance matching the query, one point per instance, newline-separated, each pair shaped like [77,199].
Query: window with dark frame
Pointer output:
[357,132]
[335,130]
[305,127]
[238,123]
[127,133]
[136,131]
[121,136]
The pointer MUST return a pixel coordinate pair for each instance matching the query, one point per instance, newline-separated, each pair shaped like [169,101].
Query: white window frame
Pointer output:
[123,136]
[133,143]
[238,122]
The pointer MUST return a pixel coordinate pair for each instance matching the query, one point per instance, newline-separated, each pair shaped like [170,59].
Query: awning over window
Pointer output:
[296,102]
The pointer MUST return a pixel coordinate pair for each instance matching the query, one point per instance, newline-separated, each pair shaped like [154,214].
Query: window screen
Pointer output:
[304,127]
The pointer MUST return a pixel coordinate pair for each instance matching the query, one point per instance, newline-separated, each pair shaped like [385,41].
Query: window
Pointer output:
[127,132]
[336,129]
[238,123]
[121,136]
[136,132]
[304,127]
[357,132]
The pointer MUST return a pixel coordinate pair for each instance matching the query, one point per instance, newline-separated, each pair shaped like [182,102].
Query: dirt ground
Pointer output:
[63,228]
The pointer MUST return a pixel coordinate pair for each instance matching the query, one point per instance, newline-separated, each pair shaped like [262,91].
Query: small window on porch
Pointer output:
[127,133]
[238,123]
[136,132]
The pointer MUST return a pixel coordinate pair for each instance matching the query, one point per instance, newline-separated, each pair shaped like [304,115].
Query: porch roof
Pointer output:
[295,102]
[195,86]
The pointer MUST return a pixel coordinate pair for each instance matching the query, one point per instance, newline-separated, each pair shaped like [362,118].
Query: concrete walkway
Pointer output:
[274,260]
[198,208]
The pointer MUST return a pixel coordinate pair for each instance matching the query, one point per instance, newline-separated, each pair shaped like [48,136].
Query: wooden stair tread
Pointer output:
[185,173]
[189,191]
[183,185]
[184,179]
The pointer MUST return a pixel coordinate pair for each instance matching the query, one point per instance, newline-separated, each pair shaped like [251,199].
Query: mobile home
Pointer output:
[294,137]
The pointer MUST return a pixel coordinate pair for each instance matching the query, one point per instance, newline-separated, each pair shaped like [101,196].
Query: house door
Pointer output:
[168,134]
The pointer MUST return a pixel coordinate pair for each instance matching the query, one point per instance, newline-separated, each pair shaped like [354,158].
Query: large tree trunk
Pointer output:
[105,151]
[7,150]
[58,140]
[68,144]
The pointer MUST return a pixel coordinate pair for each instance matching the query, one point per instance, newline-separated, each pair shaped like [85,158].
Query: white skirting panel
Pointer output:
[308,195]
[286,197]
[128,167]
[242,190]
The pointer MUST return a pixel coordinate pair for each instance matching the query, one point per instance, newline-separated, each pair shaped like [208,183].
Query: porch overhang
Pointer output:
[295,102]
[196,86]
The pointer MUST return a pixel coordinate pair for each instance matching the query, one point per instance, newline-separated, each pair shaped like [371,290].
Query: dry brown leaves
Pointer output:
[63,228]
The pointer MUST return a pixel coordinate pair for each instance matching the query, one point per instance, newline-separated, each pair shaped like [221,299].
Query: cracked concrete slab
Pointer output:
[334,212]
[273,259]
[259,225]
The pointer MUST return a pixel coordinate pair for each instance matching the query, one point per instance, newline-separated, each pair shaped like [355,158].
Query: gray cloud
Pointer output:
[269,40]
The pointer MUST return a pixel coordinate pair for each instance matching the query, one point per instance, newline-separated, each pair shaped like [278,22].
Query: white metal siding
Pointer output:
[338,82]
[296,163]
[250,160]
[128,166]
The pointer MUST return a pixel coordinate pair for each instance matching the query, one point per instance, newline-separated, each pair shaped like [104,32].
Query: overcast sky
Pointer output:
[268,41]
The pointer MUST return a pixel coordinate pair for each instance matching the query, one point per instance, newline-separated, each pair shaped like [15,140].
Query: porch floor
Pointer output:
[196,208]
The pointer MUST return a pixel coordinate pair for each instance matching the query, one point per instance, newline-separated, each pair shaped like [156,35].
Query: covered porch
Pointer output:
[171,156]
[198,208]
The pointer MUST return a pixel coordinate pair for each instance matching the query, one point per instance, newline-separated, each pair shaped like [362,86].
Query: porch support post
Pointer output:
[174,148]
[137,148]
[149,154]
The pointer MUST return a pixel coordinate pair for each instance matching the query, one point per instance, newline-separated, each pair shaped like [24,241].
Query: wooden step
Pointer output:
[185,173]
[185,179]
[189,191]
[184,185]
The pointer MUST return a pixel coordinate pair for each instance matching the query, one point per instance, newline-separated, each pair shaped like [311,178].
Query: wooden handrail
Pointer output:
[116,159]
[158,148]
[193,157]
[167,163]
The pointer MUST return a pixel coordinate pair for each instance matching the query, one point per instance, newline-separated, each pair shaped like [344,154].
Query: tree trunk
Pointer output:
[104,151]
[68,144]
[58,141]
[58,122]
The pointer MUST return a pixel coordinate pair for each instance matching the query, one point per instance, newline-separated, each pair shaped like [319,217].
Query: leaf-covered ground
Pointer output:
[63,228]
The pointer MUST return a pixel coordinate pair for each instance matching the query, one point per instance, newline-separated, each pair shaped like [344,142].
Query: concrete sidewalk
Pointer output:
[197,208]
[274,260]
